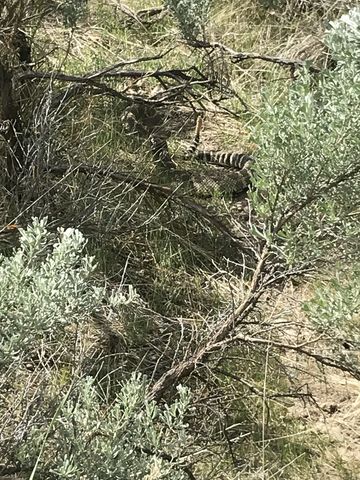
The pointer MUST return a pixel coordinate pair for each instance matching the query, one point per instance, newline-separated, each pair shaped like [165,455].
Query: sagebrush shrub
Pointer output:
[192,16]
[343,38]
[306,177]
[88,439]
[335,305]
[44,287]
[73,430]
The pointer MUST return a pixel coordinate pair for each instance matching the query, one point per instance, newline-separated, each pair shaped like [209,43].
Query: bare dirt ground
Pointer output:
[334,416]
[336,420]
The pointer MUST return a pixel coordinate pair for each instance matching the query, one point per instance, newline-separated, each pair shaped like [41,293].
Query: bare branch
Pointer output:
[164,191]
[221,331]
[324,360]
[260,393]
[184,77]
[175,74]
[76,89]
[237,57]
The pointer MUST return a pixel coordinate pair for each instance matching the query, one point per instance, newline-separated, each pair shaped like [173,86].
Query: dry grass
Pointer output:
[173,259]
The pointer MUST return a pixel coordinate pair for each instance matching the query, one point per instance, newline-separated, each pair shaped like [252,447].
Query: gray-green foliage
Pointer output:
[307,169]
[192,16]
[47,284]
[44,287]
[335,306]
[132,438]
[343,39]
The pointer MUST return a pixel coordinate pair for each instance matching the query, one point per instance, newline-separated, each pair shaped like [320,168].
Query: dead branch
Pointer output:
[322,359]
[97,87]
[162,190]
[221,335]
[221,331]
[174,74]
[185,78]
[131,61]
[76,89]
[85,83]
[143,17]
[170,96]
[238,57]
[260,393]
